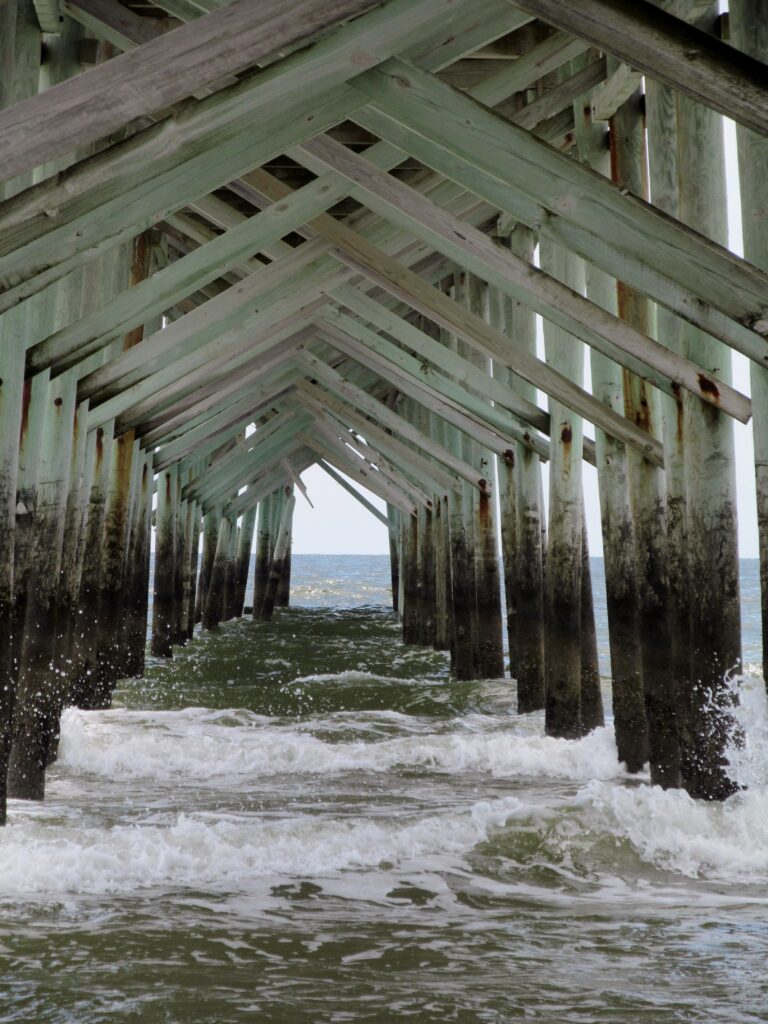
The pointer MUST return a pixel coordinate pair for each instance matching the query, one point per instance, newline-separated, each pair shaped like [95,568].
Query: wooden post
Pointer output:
[181,560]
[89,600]
[424,619]
[394,557]
[664,171]
[186,518]
[109,658]
[229,603]
[36,397]
[74,527]
[706,721]
[442,640]
[749,32]
[245,543]
[647,486]
[193,550]
[426,576]
[214,596]
[137,584]
[462,597]
[508,524]
[281,543]
[616,517]
[39,689]
[101,280]
[520,472]
[592,714]
[490,644]
[113,567]
[211,521]
[20,48]
[164,596]
[564,556]
[283,596]
[409,533]
[263,553]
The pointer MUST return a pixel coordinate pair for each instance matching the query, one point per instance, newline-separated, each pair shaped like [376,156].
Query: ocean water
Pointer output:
[308,822]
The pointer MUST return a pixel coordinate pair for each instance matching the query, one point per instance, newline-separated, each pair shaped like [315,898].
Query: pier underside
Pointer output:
[238,240]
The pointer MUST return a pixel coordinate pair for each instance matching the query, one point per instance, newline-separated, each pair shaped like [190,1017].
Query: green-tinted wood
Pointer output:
[707,724]
[749,32]
[568,203]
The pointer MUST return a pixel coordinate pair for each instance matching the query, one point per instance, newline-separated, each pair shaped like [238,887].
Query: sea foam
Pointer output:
[227,853]
[121,744]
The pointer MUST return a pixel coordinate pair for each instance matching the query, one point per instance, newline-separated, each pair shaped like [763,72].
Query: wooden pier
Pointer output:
[241,239]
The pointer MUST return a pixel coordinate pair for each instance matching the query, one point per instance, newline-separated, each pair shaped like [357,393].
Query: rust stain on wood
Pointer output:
[708,387]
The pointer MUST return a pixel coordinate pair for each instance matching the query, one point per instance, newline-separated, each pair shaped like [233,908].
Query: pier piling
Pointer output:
[442,278]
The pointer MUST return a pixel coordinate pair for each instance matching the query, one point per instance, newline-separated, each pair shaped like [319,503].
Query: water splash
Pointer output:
[748,759]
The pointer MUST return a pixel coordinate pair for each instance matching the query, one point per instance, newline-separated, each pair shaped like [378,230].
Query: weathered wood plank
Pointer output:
[669,50]
[388,418]
[617,524]
[705,722]
[343,482]
[749,31]
[168,68]
[418,466]
[401,282]
[521,280]
[614,92]
[113,22]
[111,197]
[568,202]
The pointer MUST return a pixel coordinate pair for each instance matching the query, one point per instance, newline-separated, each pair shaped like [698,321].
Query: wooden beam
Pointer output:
[387,444]
[340,456]
[169,69]
[440,395]
[113,22]
[544,189]
[381,269]
[354,492]
[297,481]
[146,398]
[158,293]
[229,472]
[266,483]
[669,50]
[401,475]
[111,196]
[48,17]
[460,371]
[235,414]
[522,281]
[209,324]
[342,330]
[614,92]
[187,415]
[320,371]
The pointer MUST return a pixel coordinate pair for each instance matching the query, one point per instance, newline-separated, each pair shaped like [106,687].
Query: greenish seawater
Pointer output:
[308,822]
